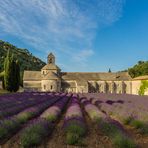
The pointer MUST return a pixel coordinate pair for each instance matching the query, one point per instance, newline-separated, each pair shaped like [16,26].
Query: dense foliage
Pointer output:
[26,59]
[143,87]
[140,69]
[11,73]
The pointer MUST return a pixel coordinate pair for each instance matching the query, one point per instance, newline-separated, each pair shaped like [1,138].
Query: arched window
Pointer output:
[51,87]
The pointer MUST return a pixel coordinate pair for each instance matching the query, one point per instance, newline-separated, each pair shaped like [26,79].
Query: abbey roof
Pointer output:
[80,76]
[50,67]
[32,75]
[96,76]
[50,75]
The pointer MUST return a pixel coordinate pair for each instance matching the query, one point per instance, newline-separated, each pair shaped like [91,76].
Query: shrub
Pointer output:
[24,117]
[142,127]
[33,135]
[72,138]
[7,127]
[121,141]
[51,118]
[143,87]
[75,128]
[128,120]
[3,133]
[137,124]
[108,129]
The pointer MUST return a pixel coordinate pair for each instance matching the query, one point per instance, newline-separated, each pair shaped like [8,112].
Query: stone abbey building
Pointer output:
[50,78]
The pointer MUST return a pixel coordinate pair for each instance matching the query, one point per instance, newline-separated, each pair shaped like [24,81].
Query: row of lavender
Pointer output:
[18,102]
[41,127]
[122,106]
[11,125]
[113,129]
[74,123]
[10,100]
[127,109]
[46,111]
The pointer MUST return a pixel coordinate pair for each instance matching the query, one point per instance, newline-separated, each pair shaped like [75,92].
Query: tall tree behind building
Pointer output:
[11,73]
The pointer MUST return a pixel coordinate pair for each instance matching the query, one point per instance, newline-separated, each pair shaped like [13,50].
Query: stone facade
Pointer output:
[50,78]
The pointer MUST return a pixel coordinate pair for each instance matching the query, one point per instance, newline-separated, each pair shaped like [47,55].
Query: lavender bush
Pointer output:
[35,132]
[108,126]
[121,107]
[43,126]
[53,112]
[74,125]
[11,125]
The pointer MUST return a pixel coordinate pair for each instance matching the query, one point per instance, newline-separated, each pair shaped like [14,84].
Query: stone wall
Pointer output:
[32,85]
[68,86]
[50,85]
[135,86]
[119,87]
[82,89]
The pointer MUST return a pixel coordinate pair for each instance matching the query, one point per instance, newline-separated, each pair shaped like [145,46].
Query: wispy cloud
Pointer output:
[67,26]
[82,55]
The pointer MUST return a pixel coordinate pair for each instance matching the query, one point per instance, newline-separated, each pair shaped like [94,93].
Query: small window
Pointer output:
[51,87]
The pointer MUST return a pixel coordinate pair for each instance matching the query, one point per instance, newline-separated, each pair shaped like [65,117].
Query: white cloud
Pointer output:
[67,26]
[83,55]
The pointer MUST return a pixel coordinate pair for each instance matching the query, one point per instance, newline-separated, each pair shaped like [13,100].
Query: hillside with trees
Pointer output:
[140,69]
[26,59]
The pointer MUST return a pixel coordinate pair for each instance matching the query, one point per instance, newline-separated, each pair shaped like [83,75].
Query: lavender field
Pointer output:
[35,119]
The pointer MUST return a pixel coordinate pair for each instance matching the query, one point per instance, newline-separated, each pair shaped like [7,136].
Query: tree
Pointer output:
[8,72]
[2,79]
[17,75]
[12,73]
[141,68]
[109,70]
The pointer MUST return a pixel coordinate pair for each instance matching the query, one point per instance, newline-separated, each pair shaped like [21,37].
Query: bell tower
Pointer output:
[51,59]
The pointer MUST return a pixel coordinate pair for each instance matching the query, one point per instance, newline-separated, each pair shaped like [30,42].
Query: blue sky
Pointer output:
[85,35]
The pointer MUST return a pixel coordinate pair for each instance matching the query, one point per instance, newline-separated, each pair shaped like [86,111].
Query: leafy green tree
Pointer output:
[8,72]
[12,73]
[141,68]
[143,87]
